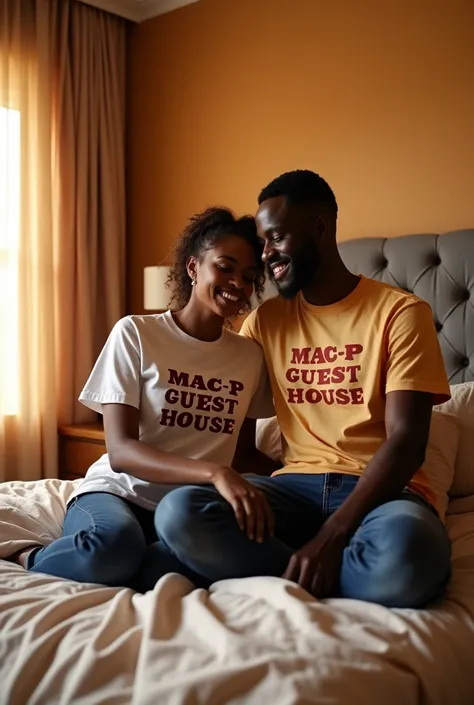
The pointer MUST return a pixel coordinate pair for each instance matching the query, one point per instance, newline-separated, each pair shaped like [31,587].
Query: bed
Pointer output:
[259,640]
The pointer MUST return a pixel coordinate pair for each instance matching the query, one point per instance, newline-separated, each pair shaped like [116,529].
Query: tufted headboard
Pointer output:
[438,269]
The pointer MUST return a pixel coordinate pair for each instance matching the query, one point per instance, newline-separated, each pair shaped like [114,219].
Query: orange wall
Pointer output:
[378,96]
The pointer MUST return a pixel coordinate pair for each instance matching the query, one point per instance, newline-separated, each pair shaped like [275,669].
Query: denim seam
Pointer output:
[67,550]
[326,491]
[89,515]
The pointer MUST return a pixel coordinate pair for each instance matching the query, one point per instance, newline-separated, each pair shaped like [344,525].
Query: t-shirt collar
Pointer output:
[338,306]
[195,342]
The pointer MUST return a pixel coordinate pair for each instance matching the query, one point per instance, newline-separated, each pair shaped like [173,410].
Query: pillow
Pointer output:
[440,453]
[461,406]
[268,437]
[440,457]
[32,513]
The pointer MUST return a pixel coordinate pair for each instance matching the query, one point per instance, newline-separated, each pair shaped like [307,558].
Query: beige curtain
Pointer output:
[62,217]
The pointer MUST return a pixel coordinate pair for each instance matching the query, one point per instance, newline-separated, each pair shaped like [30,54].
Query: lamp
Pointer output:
[156,293]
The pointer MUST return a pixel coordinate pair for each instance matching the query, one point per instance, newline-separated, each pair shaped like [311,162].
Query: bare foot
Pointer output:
[20,557]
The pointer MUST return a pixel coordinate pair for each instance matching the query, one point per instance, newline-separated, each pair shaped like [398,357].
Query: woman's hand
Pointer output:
[250,505]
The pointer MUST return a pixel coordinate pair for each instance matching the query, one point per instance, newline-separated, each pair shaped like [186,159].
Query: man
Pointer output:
[355,368]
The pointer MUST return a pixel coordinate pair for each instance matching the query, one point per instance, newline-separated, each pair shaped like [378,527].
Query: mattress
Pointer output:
[252,641]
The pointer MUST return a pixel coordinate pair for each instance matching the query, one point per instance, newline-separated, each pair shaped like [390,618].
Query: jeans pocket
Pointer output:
[339,487]
[348,483]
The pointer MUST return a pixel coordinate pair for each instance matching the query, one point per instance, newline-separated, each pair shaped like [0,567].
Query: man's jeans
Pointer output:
[399,556]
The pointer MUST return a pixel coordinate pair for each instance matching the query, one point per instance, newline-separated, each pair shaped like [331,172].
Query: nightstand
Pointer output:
[79,447]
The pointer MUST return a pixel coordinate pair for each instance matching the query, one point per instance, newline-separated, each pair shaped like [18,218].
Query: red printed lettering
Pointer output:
[185,419]
[293,375]
[187,399]
[307,376]
[324,375]
[300,356]
[352,350]
[328,395]
[217,404]
[313,396]
[216,425]
[235,387]
[199,383]
[357,395]
[342,396]
[204,402]
[179,379]
[201,422]
[228,426]
[168,417]
[316,377]
[330,353]
[318,357]
[353,370]
[295,396]
[171,396]
[214,385]
[231,404]
[338,375]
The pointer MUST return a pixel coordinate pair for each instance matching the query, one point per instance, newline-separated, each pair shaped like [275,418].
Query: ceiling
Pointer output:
[138,10]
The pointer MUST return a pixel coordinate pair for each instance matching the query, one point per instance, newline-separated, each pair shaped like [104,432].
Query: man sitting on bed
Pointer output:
[355,368]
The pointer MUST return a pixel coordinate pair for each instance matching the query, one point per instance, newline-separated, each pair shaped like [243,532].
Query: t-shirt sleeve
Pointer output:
[414,359]
[249,327]
[115,378]
[261,405]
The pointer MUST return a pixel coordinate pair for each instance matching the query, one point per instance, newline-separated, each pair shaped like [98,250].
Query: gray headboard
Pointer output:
[438,269]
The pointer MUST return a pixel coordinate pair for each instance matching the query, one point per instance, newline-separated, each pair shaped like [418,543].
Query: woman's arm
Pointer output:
[248,458]
[132,456]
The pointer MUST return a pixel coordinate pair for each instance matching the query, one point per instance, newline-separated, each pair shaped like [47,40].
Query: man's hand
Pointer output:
[317,565]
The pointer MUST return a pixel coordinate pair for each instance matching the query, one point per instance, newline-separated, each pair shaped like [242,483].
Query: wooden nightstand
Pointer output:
[79,447]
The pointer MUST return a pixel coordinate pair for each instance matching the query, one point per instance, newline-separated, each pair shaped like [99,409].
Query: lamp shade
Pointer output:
[156,293]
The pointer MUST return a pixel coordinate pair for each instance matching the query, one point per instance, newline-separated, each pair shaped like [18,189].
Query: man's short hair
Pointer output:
[300,186]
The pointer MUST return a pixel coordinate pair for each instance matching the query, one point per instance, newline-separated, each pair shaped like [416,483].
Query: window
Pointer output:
[10,162]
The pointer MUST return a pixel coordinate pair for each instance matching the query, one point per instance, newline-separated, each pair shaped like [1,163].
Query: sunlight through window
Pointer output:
[9,258]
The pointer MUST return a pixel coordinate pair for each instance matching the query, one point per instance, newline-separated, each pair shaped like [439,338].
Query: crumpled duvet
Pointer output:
[245,642]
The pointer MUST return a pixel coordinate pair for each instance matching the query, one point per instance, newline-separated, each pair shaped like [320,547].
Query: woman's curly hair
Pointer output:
[203,231]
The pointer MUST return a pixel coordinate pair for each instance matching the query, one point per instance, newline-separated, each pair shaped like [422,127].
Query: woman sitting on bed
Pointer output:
[174,390]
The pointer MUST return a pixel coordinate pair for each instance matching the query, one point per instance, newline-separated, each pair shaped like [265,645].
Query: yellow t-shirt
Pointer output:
[331,367]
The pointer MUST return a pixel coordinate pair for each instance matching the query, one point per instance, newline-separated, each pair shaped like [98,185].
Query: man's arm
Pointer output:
[415,378]
[316,566]
[247,458]
[407,423]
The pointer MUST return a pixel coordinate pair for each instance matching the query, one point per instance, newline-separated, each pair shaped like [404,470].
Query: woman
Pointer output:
[174,390]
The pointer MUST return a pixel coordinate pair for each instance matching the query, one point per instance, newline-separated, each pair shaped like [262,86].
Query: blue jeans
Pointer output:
[399,556]
[109,541]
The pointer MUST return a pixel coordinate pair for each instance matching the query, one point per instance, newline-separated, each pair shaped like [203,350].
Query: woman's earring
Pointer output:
[193,281]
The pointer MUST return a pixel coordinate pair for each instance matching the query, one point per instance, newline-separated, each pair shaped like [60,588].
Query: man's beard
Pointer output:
[301,271]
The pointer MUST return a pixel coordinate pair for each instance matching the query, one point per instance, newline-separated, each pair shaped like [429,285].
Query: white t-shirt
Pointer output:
[193,396]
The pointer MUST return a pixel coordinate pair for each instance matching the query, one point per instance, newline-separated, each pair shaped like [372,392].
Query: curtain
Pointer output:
[62,217]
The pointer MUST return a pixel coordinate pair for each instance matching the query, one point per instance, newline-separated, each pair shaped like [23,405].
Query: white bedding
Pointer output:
[246,642]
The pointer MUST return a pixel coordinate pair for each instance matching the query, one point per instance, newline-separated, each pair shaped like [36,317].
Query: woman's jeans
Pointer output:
[399,556]
[109,541]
